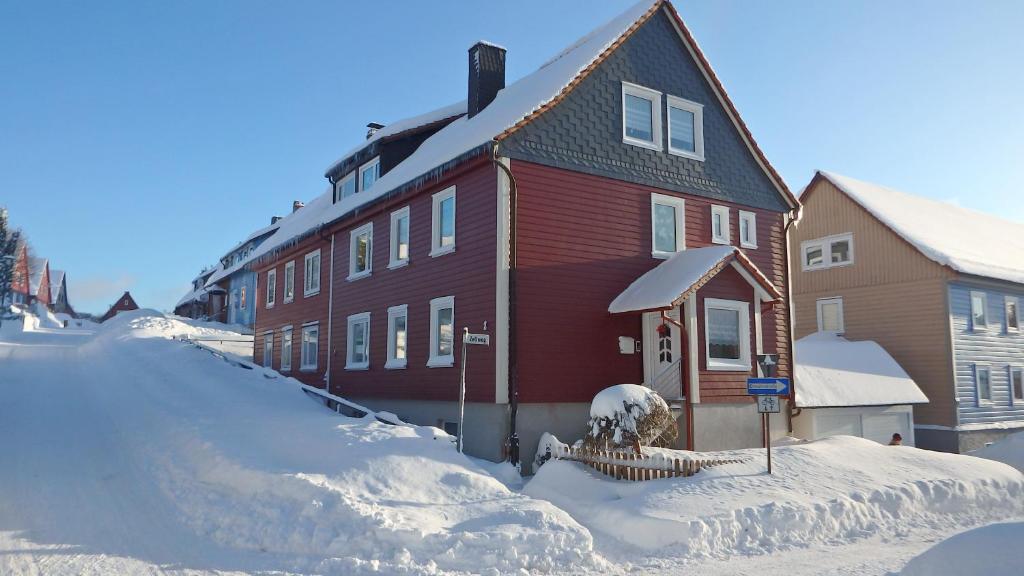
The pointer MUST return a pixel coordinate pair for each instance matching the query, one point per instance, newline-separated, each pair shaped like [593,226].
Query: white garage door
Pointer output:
[881,427]
[838,424]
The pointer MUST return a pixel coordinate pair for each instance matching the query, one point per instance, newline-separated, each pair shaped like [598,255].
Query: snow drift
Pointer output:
[1008,450]
[987,551]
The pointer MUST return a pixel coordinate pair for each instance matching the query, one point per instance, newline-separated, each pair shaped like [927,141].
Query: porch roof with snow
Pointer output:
[832,372]
[675,279]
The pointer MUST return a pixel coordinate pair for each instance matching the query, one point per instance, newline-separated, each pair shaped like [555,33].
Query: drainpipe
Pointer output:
[513,361]
[792,412]
[330,313]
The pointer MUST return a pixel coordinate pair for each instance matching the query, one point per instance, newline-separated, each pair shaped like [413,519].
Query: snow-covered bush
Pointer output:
[628,415]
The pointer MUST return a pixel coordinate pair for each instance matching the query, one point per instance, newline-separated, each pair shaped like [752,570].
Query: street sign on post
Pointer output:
[767,392]
[467,338]
[768,404]
[482,339]
[768,386]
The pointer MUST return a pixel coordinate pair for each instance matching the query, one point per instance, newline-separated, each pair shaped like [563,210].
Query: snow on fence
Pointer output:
[633,466]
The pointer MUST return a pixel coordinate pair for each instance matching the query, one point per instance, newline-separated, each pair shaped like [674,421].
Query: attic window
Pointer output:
[685,128]
[368,174]
[641,116]
[345,187]
[828,252]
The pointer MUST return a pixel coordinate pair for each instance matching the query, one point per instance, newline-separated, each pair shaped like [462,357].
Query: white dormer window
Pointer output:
[720,233]
[685,128]
[345,187]
[368,174]
[443,225]
[641,116]
[360,262]
[748,229]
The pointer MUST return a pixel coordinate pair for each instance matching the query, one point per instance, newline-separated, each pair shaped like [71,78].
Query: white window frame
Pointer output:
[698,126]
[393,260]
[353,320]
[289,279]
[435,360]
[984,309]
[394,313]
[751,219]
[677,204]
[1014,399]
[978,369]
[722,211]
[268,350]
[1007,300]
[654,97]
[820,302]
[341,184]
[286,359]
[725,364]
[304,364]
[271,287]
[436,249]
[365,229]
[364,168]
[826,251]
[307,285]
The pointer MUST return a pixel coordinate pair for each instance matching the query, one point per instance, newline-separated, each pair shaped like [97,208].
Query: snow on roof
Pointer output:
[965,240]
[36,266]
[831,371]
[56,278]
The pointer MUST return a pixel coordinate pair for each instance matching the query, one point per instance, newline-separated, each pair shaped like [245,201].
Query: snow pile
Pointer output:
[627,414]
[148,323]
[987,551]
[1008,450]
[834,490]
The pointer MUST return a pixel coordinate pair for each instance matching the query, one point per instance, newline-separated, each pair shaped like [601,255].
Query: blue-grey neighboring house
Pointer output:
[238,282]
[938,286]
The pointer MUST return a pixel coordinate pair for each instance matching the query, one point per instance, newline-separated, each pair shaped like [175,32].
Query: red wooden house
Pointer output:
[39,281]
[20,275]
[123,304]
[606,219]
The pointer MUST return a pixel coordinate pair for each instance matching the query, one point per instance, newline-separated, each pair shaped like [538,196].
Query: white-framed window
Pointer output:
[268,350]
[310,351]
[685,128]
[641,116]
[289,281]
[368,174]
[311,273]
[358,342]
[345,187]
[286,349]
[399,238]
[983,384]
[748,229]
[271,287]
[360,260]
[828,252]
[979,310]
[1012,306]
[668,225]
[442,227]
[727,334]
[720,232]
[1017,383]
[830,315]
[398,337]
[442,332]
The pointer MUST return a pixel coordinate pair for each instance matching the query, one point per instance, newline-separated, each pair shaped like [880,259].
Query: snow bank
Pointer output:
[987,551]
[1008,450]
[832,490]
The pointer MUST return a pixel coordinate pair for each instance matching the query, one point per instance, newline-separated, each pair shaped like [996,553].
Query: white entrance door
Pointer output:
[662,358]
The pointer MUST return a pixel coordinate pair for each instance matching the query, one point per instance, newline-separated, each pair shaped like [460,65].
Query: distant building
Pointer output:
[204,301]
[39,281]
[59,293]
[123,304]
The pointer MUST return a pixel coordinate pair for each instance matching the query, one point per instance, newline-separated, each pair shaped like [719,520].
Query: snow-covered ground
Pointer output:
[1009,450]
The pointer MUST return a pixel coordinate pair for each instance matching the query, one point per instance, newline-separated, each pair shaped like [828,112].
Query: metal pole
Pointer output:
[462,388]
[768,439]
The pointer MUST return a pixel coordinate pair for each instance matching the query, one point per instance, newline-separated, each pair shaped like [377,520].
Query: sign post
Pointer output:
[767,392]
[467,338]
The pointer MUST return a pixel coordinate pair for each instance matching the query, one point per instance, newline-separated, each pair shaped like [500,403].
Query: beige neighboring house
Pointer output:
[939,287]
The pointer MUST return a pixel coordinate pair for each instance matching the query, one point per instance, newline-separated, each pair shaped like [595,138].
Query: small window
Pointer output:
[685,128]
[241,297]
[641,116]
[983,384]
[443,225]
[310,347]
[830,315]
[358,357]
[829,252]
[345,187]
[286,349]
[1012,314]
[1017,384]
[311,273]
[399,238]
[979,315]
[668,225]
[271,287]
[442,332]
[398,330]
[360,262]
[748,229]
[368,174]
[727,334]
[289,281]
[840,251]
[813,256]
[268,350]
[720,233]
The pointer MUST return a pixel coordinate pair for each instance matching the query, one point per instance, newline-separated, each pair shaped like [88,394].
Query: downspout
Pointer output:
[792,412]
[513,361]
[330,314]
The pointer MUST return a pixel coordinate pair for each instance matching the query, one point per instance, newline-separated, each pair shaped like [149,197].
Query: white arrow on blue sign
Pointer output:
[768,386]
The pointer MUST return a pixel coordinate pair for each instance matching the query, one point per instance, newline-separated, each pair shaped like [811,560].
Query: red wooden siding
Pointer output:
[43,295]
[19,280]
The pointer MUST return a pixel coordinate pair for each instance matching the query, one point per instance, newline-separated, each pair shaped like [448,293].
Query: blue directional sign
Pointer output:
[768,386]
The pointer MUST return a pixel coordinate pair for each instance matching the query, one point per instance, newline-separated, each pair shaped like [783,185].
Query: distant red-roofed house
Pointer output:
[123,304]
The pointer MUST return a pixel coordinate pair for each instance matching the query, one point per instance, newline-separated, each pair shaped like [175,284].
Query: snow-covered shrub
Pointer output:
[627,415]
[548,446]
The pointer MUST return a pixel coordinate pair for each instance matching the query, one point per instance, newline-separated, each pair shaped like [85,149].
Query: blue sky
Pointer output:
[142,139]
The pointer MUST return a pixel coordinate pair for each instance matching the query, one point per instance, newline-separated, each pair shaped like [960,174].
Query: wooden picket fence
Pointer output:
[632,466]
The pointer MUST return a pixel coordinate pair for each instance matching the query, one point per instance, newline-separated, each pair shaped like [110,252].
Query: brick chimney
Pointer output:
[274,220]
[486,75]
[297,204]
